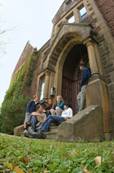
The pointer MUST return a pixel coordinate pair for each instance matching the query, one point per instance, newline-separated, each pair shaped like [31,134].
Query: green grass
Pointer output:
[43,156]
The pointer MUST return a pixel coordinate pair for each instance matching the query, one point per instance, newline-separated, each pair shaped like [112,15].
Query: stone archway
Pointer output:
[71,74]
[61,44]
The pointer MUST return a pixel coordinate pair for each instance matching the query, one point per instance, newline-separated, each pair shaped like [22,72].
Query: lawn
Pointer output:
[22,155]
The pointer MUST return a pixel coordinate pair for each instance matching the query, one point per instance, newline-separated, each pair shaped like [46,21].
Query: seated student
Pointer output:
[31,107]
[37,118]
[49,105]
[66,114]
[58,107]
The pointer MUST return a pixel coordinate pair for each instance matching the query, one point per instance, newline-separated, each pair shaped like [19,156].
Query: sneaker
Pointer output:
[26,133]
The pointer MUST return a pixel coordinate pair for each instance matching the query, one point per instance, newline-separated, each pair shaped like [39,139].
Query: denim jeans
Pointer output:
[49,120]
[33,122]
[81,98]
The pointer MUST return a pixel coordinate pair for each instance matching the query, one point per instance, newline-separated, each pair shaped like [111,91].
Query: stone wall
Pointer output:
[27,52]
[107,9]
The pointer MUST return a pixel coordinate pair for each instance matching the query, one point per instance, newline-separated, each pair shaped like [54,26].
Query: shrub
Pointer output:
[13,107]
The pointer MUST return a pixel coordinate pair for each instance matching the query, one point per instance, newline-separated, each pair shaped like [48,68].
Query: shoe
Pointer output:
[40,135]
[26,133]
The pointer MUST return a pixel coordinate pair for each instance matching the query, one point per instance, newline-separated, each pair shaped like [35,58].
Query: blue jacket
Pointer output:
[31,107]
[61,105]
[86,74]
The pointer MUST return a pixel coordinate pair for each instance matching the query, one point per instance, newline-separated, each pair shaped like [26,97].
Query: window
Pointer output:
[41,87]
[82,11]
[71,19]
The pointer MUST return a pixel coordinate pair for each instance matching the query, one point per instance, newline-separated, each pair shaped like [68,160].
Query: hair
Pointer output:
[68,105]
[82,62]
[34,96]
[61,98]
[37,106]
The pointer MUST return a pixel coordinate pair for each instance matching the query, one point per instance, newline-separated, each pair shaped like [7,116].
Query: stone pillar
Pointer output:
[92,56]
[47,79]
[97,90]
[76,15]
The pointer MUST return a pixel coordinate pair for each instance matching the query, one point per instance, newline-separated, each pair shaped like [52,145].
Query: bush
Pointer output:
[12,115]
[13,107]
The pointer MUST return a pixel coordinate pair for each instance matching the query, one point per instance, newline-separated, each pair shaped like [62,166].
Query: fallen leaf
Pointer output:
[30,171]
[25,160]
[73,153]
[18,170]
[46,171]
[98,160]
[85,170]
[9,166]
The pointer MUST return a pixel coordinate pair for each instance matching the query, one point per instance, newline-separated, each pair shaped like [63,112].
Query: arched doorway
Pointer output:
[71,74]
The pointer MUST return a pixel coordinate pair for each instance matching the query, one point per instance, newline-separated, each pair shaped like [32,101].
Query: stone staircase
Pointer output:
[86,125]
[52,134]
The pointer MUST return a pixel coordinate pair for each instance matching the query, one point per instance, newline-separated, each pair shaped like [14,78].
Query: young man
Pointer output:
[37,118]
[85,75]
[31,107]
[58,119]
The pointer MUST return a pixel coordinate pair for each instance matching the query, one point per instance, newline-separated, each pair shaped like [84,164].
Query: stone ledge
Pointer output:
[18,131]
[86,125]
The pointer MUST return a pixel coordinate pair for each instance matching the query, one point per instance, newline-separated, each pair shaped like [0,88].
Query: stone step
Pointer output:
[52,134]
[18,131]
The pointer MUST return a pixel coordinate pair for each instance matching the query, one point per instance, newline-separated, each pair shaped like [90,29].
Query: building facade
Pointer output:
[82,29]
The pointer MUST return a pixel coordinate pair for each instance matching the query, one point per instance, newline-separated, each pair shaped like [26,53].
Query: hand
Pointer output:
[35,114]
[52,111]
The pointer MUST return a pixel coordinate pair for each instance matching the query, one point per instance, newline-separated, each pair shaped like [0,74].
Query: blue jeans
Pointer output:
[33,122]
[49,120]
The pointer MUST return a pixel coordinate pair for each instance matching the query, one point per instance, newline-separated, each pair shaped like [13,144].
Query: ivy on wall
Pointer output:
[31,69]
[14,104]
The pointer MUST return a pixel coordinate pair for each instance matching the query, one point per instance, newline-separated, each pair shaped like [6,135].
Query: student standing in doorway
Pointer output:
[85,75]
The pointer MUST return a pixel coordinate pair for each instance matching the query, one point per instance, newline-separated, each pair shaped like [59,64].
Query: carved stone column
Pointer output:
[47,79]
[97,90]
[92,56]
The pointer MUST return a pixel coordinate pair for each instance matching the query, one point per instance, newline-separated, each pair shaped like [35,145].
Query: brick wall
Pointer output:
[28,50]
[107,9]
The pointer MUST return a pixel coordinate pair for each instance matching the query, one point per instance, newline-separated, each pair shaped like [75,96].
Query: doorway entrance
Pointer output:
[71,75]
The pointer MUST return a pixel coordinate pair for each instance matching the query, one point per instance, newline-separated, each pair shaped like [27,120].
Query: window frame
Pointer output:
[81,7]
[71,15]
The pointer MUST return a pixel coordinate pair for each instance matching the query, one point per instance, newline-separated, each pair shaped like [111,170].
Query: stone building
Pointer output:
[82,29]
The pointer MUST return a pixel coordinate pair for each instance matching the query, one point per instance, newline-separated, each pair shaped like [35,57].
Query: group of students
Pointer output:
[40,115]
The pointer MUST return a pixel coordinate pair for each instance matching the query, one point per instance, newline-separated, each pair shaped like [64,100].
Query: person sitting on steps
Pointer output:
[31,107]
[37,118]
[58,107]
[57,119]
